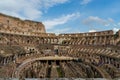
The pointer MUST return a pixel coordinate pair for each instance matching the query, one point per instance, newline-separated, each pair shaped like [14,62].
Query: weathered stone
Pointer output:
[27,51]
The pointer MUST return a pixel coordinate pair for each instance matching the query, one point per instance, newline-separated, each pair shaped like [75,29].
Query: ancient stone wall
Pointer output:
[15,39]
[119,33]
[92,38]
[24,43]
[101,33]
[14,25]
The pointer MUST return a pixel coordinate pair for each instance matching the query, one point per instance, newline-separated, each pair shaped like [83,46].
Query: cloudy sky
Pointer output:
[67,16]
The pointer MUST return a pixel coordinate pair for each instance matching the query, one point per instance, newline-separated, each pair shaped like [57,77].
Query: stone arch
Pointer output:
[111,69]
[83,42]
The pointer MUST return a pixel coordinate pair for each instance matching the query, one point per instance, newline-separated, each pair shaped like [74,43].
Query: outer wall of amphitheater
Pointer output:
[27,51]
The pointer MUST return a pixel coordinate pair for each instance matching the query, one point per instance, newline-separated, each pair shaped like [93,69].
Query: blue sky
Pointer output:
[67,16]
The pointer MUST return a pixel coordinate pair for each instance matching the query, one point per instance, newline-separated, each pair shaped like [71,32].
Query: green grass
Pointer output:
[60,72]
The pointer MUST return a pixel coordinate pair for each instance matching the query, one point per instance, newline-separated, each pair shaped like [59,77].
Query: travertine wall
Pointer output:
[21,41]
[15,26]
[10,24]
[15,39]
[92,38]
[101,33]
[119,33]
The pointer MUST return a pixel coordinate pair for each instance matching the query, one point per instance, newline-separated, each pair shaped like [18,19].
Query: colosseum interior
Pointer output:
[27,51]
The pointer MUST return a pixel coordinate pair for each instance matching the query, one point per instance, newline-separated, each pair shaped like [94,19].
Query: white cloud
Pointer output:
[64,30]
[115,30]
[92,30]
[60,20]
[110,20]
[30,9]
[58,31]
[116,25]
[84,2]
[50,3]
[92,20]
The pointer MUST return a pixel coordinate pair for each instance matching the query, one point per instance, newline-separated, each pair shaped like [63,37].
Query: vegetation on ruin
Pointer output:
[60,72]
[116,35]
